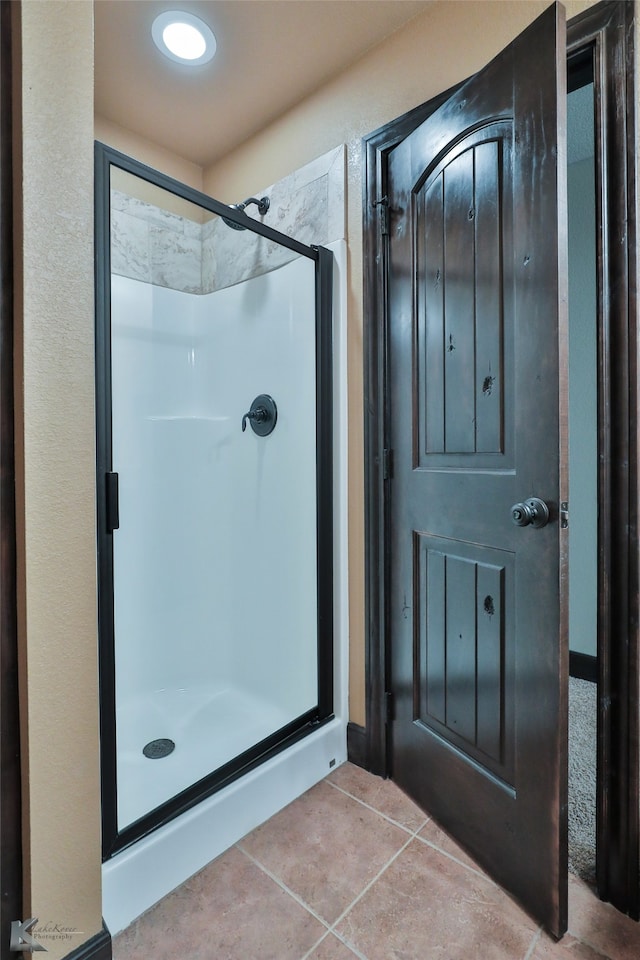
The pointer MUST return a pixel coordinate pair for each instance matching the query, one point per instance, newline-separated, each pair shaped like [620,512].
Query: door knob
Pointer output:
[532,511]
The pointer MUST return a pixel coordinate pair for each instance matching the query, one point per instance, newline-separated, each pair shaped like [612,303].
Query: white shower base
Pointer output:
[142,874]
[210,726]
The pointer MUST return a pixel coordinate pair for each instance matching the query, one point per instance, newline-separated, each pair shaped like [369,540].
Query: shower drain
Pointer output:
[157,749]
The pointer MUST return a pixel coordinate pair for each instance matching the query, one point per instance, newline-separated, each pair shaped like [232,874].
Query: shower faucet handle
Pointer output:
[262,415]
[257,415]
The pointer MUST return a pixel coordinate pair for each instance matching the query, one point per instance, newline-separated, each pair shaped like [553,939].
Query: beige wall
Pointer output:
[56,473]
[126,141]
[438,48]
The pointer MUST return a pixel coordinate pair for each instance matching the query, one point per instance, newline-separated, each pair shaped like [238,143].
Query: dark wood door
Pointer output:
[477,302]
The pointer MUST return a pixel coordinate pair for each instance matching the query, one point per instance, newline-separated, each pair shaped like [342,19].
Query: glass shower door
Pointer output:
[215,553]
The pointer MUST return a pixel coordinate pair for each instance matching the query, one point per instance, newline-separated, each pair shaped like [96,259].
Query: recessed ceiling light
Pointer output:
[183,37]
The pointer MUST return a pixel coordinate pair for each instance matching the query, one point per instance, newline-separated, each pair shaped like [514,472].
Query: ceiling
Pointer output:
[271,54]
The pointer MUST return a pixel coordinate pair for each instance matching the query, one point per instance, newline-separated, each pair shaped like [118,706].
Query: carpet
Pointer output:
[582,779]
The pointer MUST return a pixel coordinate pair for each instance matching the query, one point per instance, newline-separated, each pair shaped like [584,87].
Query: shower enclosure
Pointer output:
[214,493]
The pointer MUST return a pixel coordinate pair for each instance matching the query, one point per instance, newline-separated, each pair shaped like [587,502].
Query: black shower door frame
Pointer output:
[114,840]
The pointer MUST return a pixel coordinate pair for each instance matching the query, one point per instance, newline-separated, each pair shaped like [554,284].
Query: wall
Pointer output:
[583,439]
[133,145]
[159,238]
[56,476]
[435,50]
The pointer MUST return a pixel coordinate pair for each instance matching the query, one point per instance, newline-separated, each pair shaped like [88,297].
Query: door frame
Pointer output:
[114,839]
[608,29]
[11,867]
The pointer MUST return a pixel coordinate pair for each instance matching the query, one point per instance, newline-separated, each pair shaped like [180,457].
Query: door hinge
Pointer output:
[383,204]
[389,712]
[387,464]
[564,514]
[112,501]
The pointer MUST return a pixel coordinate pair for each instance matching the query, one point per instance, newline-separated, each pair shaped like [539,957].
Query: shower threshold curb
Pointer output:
[134,880]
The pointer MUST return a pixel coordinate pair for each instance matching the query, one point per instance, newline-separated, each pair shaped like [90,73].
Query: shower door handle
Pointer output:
[112,501]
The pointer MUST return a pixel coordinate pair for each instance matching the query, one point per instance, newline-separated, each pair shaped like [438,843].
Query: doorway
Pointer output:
[602,35]
[583,469]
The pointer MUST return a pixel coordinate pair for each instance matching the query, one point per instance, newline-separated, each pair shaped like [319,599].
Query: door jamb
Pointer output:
[376,149]
[11,867]
[608,29]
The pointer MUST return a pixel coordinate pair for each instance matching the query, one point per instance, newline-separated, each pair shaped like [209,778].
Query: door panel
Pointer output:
[462,216]
[460,618]
[476,343]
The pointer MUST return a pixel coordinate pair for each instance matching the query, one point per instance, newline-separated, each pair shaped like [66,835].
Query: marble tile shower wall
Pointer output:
[168,250]
[155,246]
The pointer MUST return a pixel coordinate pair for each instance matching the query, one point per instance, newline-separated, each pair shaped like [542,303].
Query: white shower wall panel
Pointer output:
[214,561]
[259,337]
[160,608]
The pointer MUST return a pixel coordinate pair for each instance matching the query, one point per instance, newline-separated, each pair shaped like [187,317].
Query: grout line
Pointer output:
[352,950]
[533,944]
[445,853]
[429,843]
[384,816]
[330,928]
[368,887]
[286,889]
[325,923]
[316,945]
[302,903]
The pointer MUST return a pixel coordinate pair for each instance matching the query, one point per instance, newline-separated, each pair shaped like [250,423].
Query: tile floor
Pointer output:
[354,869]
